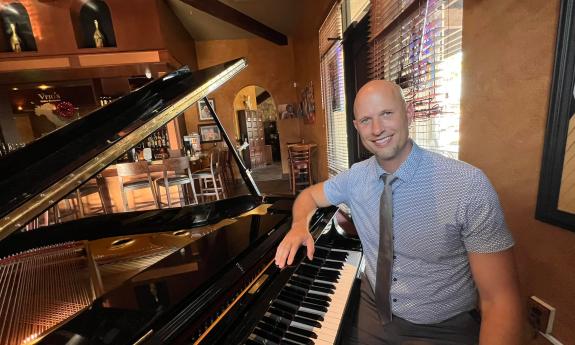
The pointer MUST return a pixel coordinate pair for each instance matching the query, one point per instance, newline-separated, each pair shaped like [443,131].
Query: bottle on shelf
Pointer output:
[98,36]
[15,42]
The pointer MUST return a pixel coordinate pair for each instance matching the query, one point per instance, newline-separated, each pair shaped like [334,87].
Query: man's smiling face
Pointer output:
[382,121]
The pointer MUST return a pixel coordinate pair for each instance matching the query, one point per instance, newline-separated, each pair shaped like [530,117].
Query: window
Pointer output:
[333,93]
[417,44]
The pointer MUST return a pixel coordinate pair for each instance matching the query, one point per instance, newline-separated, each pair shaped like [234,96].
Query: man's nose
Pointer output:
[377,127]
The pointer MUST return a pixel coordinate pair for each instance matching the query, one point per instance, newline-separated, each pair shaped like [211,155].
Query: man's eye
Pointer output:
[364,121]
[386,113]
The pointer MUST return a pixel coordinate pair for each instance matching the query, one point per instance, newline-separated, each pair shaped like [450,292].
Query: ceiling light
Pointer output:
[44,87]
[15,89]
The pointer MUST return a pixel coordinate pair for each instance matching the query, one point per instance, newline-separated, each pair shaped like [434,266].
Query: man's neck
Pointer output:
[390,166]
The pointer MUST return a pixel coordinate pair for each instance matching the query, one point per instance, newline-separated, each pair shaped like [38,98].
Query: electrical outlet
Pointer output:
[541,315]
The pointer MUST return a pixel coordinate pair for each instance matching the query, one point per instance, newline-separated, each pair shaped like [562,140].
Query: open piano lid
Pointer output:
[36,177]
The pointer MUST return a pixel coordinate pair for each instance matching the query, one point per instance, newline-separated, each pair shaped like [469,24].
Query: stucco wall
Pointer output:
[508,59]
[270,66]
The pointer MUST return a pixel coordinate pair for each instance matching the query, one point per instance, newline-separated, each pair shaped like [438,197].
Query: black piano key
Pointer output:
[292,329]
[274,323]
[333,264]
[298,338]
[287,342]
[313,271]
[309,315]
[302,298]
[307,322]
[314,306]
[261,333]
[293,301]
[281,315]
[314,284]
[321,253]
[307,293]
[283,307]
[293,312]
[281,332]
[337,256]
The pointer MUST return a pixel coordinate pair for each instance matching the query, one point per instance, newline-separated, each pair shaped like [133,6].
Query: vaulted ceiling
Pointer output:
[278,15]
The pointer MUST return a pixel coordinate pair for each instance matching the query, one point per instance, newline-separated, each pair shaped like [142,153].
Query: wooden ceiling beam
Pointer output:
[237,18]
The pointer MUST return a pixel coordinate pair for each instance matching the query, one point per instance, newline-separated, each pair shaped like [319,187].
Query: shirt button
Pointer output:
[395,299]
[394,257]
[394,279]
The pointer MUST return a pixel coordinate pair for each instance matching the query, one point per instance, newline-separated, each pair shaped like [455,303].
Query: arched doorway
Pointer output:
[256,116]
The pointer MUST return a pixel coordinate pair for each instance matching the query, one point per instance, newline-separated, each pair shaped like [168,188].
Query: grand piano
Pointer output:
[200,274]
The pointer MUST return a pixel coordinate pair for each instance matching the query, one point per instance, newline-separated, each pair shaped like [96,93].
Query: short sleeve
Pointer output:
[484,229]
[336,188]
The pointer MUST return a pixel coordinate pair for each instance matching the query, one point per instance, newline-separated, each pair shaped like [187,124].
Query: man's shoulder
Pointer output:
[440,162]
[449,167]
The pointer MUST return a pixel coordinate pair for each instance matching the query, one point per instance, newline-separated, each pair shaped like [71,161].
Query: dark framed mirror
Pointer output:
[556,199]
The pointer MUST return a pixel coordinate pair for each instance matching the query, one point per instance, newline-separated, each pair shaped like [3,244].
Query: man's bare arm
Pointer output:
[501,313]
[303,208]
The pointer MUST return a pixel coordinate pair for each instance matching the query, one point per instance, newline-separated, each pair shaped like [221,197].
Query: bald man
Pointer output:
[450,240]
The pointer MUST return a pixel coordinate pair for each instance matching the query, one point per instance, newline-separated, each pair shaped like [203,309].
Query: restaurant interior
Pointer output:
[492,98]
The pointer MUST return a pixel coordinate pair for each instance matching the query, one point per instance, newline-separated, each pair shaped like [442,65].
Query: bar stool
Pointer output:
[210,179]
[93,186]
[300,166]
[139,178]
[176,172]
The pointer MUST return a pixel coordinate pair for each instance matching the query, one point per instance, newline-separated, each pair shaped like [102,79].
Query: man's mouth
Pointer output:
[382,141]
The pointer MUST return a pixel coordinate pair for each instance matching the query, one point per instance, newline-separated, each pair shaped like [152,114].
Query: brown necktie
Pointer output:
[385,255]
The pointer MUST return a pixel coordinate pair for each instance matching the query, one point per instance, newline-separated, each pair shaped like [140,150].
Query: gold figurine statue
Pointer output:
[15,42]
[98,37]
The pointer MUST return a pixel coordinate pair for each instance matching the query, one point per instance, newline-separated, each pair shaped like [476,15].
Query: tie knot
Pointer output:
[388,178]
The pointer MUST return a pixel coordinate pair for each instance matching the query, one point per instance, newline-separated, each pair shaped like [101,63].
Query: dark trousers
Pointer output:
[462,329]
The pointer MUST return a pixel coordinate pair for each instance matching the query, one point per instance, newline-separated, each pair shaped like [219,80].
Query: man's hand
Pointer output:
[303,208]
[297,236]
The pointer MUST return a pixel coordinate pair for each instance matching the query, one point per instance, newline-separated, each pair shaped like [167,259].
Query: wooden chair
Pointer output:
[210,179]
[138,176]
[93,186]
[176,172]
[299,156]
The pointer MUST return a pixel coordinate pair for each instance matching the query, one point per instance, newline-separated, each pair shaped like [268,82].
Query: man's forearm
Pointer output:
[306,203]
[501,323]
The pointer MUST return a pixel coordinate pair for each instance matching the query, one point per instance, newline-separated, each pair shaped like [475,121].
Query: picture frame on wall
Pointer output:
[556,200]
[209,133]
[203,111]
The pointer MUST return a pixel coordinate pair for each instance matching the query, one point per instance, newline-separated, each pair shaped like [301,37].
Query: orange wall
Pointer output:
[269,66]
[136,27]
[176,39]
[306,52]
[508,60]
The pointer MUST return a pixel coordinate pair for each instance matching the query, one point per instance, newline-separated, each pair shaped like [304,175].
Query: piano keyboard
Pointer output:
[310,307]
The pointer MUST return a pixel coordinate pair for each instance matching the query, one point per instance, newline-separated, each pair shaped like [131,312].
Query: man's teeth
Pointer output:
[383,140]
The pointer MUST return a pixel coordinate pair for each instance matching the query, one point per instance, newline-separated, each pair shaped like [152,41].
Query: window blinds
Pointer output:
[333,93]
[417,44]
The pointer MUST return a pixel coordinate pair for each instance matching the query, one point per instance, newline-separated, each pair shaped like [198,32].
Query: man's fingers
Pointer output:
[292,252]
[281,255]
[310,247]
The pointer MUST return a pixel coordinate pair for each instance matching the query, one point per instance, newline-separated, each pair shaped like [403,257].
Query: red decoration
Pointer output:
[65,110]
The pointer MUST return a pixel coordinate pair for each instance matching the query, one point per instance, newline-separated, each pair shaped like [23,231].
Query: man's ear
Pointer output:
[410,112]
[355,124]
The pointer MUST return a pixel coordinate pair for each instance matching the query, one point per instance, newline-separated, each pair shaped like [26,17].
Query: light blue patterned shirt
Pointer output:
[442,209]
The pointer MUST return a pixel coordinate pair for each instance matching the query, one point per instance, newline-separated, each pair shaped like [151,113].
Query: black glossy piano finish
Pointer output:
[200,287]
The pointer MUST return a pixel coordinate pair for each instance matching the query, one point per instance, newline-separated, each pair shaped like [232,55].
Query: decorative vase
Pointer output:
[98,37]
[15,41]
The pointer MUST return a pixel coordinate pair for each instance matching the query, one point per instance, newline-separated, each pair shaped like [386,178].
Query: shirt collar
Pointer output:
[408,168]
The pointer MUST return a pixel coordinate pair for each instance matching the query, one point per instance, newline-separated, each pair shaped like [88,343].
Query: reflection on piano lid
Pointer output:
[36,177]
